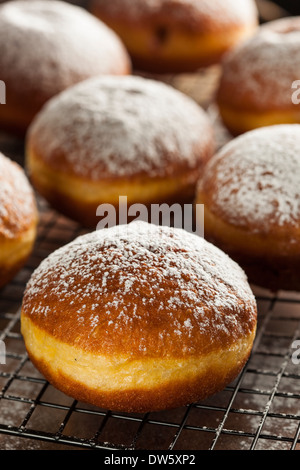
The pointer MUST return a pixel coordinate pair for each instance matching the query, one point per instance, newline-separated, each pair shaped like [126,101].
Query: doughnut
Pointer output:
[18,219]
[251,193]
[177,36]
[139,318]
[47,47]
[255,88]
[117,136]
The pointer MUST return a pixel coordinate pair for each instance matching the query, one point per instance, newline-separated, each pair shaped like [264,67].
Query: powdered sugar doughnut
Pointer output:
[251,192]
[139,318]
[45,48]
[117,136]
[18,219]
[256,84]
[178,35]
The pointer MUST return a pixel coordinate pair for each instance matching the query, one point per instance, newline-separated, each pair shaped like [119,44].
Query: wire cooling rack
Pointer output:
[260,410]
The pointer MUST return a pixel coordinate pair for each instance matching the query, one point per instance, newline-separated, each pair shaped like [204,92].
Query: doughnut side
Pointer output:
[240,120]
[139,385]
[15,252]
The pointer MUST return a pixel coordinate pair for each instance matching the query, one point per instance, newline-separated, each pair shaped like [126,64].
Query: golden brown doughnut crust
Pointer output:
[147,307]
[168,36]
[18,219]
[250,190]
[47,47]
[95,142]
[255,88]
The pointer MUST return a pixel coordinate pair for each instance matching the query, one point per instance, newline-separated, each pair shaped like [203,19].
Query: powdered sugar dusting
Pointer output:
[125,278]
[54,44]
[116,126]
[266,65]
[257,178]
[17,204]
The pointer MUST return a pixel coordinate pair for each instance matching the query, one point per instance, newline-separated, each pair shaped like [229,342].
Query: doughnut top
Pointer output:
[17,201]
[261,70]
[111,127]
[254,181]
[207,15]
[50,45]
[141,290]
